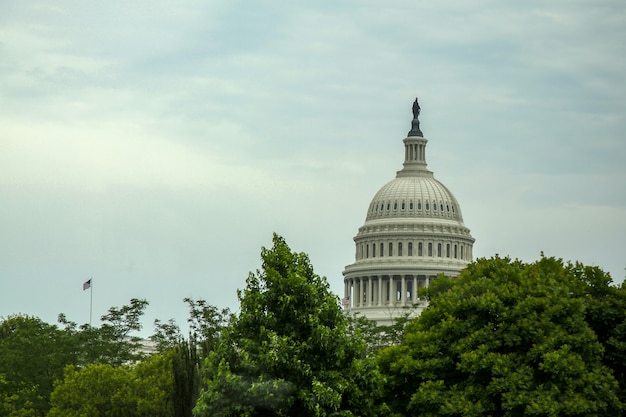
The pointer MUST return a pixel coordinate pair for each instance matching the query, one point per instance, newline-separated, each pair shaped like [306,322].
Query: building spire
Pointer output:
[415,124]
[415,149]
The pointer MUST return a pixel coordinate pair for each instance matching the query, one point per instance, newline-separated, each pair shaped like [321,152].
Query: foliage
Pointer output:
[605,312]
[206,323]
[503,339]
[377,336]
[106,390]
[33,354]
[111,343]
[186,379]
[288,352]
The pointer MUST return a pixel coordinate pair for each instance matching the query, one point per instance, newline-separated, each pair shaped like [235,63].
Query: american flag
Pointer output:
[345,302]
[87,285]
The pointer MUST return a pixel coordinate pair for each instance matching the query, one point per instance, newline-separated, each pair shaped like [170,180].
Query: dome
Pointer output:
[413,232]
[414,197]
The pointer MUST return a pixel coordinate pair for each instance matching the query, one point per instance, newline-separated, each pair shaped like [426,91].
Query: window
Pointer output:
[427,208]
[382,249]
[395,205]
[441,207]
[419,249]
[403,205]
[411,205]
[410,248]
[373,250]
[434,206]
[367,250]
[388,206]
[430,249]
[447,250]
[455,253]
[439,250]
[400,249]
[462,252]
[419,205]
[390,249]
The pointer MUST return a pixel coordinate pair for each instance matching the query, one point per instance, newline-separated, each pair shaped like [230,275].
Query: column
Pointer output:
[403,290]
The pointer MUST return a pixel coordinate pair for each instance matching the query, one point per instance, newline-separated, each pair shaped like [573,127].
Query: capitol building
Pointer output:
[413,231]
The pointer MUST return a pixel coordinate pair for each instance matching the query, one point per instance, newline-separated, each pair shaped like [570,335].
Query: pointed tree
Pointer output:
[288,352]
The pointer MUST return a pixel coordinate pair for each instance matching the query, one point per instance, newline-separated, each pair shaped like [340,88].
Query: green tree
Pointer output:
[288,352]
[605,311]
[32,355]
[96,390]
[142,390]
[503,339]
[111,343]
[206,323]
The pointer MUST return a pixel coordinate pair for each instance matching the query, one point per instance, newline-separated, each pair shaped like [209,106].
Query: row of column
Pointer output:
[415,152]
[384,290]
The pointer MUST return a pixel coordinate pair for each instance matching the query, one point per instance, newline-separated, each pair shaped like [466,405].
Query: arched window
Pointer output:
[462,252]
[390,249]
[382,249]
[430,249]
[419,249]
[455,253]
[395,205]
[373,250]
[410,248]
[427,207]
[403,205]
[447,250]
[399,248]
[411,205]
[419,205]
[367,250]
[388,206]
[439,250]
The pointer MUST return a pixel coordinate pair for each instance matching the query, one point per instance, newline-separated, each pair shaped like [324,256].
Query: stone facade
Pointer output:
[413,232]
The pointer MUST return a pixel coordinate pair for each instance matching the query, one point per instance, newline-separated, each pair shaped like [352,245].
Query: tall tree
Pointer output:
[503,339]
[288,351]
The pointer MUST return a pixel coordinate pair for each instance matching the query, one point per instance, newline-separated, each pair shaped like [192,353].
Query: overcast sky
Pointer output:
[156,146]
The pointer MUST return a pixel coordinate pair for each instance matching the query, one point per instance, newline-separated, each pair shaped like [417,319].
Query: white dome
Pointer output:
[414,196]
[413,232]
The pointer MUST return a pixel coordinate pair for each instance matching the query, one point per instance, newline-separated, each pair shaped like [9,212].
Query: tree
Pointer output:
[605,312]
[288,351]
[206,323]
[32,355]
[142,389]
[96,390]
[503,339]
[111,343]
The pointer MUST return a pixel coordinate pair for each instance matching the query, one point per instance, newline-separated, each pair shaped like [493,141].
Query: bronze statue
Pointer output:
[415,124]
[416,109]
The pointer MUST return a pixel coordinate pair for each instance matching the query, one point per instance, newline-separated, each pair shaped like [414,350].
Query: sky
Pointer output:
[155,146]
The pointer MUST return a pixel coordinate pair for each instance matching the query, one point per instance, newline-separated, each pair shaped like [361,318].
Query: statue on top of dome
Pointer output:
[416,109]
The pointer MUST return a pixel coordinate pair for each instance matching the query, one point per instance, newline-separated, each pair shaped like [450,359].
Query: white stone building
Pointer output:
[413,232]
